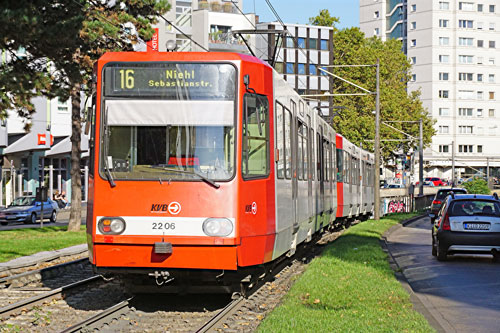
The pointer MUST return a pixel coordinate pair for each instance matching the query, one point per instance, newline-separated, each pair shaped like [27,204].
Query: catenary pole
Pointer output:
[377,147]
[421,159]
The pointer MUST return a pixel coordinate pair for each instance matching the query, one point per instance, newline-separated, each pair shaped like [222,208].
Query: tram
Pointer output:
[208,165]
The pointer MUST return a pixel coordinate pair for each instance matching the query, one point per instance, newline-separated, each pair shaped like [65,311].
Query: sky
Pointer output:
[299,11]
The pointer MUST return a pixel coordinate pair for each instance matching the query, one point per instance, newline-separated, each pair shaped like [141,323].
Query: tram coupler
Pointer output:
[161,277]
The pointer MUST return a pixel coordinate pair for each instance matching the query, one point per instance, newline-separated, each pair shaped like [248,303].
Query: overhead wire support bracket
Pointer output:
[279,33]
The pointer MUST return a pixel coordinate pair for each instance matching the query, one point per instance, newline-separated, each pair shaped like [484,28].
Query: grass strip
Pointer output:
[349,288]
[23,242]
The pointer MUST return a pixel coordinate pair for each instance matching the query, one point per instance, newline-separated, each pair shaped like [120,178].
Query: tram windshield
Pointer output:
[166,121]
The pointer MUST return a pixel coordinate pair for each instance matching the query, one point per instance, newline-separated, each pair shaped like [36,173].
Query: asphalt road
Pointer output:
[461,294]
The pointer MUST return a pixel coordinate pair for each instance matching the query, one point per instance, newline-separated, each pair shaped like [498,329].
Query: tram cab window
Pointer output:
[255,152]
[340,166]
[280,141]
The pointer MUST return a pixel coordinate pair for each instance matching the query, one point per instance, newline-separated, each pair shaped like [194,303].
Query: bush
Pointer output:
[477,186]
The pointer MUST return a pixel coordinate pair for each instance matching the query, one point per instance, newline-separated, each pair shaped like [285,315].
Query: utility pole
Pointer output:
[452,163]
[488,171]
[421,159]
[377,147]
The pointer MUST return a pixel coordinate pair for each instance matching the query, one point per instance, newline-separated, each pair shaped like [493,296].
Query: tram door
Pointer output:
[309,172]
[295,184]
[320,171]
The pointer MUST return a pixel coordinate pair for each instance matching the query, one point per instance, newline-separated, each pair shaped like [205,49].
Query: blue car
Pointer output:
[26,209]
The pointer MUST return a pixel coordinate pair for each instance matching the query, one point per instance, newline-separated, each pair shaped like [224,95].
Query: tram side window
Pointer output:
[340,165]
[318,152]
[331,148]
[311,152]
[300,150]
[326,159]
[255,154]
[280,141]
[288,144]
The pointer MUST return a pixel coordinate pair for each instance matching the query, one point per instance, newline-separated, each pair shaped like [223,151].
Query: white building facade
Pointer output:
[454,49]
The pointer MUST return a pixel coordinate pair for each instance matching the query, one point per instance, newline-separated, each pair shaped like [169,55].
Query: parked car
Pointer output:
[26,209]
[435,181]
[395,186]
[467,223]
[439,198]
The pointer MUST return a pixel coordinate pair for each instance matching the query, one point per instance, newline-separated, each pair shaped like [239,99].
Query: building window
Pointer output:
[444,23]
[465,112]
[465,59]
[465,76]
[414,77]
[444,111]
[492,26]
[492,8]
[466,6]
[444,5]
[479,148]
[467,24]
[444,59]
[413,25]
[479,112]
[313,43]
[413,43]
[491,44]
[465,129]
[479,77]
[376,14]
[480,7]
[301,42]
[480,95]
[443,76]
[289,68]
[279,67]
[324,44]
[312,69]
[491,61]
[301,69]
[479,60]
[491,95]
[462,41]
[480,43]
[491,113]
[413,60]
[444,129]
[376,31]
[290,43]
[466,94]
[444,41]
[465,148]
[491,78]
[444,148]
[443,93]
[479,25]
[414,8]
[62,106]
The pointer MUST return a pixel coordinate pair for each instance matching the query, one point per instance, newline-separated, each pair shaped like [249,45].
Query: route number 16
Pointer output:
[127,78]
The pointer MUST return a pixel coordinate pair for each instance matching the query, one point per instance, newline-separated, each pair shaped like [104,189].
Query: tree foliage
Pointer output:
[477,186]
[63,39]
[356,119]
[324,19]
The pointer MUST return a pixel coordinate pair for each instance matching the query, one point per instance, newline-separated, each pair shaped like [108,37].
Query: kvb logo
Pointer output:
[174,208]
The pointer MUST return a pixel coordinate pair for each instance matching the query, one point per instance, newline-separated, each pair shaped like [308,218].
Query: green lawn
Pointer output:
[23,242]
[349,288]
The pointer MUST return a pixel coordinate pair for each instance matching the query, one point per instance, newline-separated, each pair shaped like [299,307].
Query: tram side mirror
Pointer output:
[89,115]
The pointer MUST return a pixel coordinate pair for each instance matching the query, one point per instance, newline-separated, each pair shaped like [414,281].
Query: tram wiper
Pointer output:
[105,148]
[205,179]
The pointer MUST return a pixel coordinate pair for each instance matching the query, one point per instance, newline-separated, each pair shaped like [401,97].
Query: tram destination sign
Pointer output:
[170,80]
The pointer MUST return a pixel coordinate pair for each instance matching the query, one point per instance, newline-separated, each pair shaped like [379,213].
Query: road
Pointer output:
[462,294]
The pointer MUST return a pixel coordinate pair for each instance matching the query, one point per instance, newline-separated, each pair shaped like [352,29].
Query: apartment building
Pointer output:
[454,49]
[299,56]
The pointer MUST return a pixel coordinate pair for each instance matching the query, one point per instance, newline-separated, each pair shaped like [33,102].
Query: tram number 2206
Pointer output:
[163,226]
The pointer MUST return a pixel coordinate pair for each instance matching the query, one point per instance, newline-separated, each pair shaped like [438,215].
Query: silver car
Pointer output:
[467,223]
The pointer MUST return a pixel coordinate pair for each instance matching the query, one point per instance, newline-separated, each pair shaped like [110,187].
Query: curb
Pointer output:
[420,304]
[40,257]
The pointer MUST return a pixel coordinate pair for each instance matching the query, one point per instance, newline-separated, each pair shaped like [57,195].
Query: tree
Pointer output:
[63,39]
[324,19]
[357,120]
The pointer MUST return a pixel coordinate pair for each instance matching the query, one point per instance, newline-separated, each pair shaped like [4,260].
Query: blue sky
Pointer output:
[299,11]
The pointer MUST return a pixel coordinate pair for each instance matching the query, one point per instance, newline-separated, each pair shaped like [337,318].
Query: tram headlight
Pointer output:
[111,225]
[219,227]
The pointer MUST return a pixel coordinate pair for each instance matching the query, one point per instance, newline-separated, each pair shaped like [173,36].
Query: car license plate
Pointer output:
[476,226]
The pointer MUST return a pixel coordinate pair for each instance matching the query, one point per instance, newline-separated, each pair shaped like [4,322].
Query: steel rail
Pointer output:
[223,314]
[10,278]
[101,318]
[42,298]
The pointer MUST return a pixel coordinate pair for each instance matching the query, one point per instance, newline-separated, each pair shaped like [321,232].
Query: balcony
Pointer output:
[226,42]
[216,6]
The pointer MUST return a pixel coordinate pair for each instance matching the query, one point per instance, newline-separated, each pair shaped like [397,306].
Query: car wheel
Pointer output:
[434,250]
[441,253]
[33,218]
[4,223]
[53,216]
